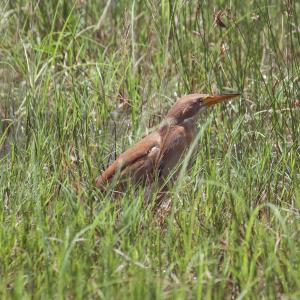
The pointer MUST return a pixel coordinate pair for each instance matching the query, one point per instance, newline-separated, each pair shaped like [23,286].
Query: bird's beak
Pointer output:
[214,99]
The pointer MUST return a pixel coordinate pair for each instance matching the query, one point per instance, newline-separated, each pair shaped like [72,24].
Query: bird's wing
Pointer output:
[137,161]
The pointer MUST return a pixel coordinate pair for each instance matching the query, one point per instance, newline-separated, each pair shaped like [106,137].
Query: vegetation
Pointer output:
[81,81]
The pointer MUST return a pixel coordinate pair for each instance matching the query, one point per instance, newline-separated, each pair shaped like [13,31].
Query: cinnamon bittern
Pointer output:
[156,155]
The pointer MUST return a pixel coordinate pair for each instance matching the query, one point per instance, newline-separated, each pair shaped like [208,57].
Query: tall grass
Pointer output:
[83,80]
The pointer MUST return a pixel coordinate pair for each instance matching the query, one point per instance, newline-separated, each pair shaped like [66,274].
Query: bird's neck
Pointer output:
[167,122]
[189,124]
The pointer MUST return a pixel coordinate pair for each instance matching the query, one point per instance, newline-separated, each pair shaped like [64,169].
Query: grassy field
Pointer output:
[80,81]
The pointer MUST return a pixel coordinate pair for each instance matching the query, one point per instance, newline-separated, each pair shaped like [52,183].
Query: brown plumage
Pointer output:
[155,156]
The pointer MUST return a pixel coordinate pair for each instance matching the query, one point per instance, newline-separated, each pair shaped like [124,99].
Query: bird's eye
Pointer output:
[200,100]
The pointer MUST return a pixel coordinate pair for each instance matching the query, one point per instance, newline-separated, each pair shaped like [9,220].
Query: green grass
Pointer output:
[81,81]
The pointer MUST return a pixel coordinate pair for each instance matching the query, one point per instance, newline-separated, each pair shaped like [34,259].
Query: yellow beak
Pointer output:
[214,99]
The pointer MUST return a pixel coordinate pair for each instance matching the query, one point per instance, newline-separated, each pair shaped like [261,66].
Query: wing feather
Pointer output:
[138,161]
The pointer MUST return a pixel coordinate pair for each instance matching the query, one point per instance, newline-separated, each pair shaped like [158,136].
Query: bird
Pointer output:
[155,157]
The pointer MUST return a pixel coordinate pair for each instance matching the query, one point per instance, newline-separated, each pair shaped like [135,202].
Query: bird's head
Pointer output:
[188,107]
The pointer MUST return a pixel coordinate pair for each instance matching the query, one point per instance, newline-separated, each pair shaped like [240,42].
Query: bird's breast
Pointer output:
[175,143]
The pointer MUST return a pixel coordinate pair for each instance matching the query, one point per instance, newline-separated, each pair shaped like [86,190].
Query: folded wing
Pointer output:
[136,163]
